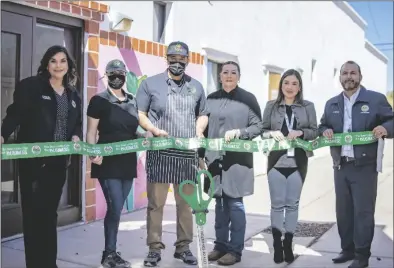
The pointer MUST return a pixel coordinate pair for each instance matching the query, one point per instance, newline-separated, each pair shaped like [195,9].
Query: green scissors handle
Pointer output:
[195,199]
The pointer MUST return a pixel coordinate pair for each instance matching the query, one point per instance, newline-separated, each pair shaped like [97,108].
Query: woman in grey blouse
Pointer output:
[234,113]
[287,117]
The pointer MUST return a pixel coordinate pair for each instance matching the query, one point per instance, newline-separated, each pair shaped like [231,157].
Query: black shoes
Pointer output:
[343,257]
[359,263]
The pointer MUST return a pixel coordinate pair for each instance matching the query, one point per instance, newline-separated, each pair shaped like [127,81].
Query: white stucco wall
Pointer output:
[285,34]
[374,69]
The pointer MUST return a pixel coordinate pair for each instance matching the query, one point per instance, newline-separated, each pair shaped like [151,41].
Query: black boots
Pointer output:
[278,247]
[287,247]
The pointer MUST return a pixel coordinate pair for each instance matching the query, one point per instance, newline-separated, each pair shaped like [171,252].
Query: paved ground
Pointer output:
[81,246]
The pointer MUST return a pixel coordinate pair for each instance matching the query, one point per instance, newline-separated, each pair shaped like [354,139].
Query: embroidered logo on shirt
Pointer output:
[73,104]
[365,109]
[192,90]
[46,97]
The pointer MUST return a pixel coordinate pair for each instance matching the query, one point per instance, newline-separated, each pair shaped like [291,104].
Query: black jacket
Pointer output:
[34,111]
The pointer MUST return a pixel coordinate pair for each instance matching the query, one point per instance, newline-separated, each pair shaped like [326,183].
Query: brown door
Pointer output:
[26,33]
[16,63]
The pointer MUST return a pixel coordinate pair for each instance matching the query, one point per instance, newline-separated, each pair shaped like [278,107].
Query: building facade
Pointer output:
[268,39]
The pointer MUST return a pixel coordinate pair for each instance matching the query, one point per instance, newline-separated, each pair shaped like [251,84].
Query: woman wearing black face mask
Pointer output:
[113,113]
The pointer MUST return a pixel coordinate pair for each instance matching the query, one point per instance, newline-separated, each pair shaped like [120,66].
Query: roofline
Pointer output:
[345,7]
[376,52]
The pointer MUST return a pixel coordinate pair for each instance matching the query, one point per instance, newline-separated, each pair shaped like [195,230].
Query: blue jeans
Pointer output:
[115,192]
[230,217]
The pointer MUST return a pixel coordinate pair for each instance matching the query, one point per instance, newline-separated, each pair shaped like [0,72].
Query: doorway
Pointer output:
[26,33]
[273,87]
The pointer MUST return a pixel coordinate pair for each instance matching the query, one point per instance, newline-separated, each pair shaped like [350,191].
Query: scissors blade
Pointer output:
[202,247]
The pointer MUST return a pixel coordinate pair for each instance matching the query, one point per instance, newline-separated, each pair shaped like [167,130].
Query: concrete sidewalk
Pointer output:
[81,246]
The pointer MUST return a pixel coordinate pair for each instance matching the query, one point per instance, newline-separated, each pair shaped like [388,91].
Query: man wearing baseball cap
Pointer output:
[171,104]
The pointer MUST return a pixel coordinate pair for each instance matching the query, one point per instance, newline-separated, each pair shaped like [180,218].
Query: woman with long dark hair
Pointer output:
[287,117]
[47,108]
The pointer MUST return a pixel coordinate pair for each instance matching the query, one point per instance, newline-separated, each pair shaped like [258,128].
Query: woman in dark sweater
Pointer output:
[287,117]
[46,108]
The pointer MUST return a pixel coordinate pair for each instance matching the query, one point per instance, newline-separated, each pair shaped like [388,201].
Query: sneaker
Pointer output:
[186,256]
[114,260]
[152,259]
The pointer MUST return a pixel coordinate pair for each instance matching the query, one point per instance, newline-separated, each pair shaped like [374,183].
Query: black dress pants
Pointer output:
[41,189]
[356,190]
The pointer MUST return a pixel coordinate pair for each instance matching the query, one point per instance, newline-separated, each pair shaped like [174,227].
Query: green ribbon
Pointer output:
[32,150]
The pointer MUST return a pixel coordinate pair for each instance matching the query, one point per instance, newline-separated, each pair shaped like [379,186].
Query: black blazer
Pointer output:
[34,111]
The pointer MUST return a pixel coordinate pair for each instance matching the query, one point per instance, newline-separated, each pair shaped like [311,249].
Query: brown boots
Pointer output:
[223,258]
[283,251]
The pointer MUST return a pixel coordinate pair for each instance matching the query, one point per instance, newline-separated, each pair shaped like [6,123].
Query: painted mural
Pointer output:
[140,66]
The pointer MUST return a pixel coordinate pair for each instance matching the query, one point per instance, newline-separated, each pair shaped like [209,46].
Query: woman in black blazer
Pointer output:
[47,108]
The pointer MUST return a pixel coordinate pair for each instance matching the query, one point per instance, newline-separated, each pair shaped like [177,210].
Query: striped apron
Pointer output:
[179,120]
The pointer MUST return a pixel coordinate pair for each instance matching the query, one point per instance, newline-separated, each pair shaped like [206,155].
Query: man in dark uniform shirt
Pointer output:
[171,104]
[356,109]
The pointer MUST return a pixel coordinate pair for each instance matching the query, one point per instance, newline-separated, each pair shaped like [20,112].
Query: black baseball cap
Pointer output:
[114,66]
[178,48]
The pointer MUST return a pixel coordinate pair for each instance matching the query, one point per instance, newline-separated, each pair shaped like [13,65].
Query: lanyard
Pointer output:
[291,123]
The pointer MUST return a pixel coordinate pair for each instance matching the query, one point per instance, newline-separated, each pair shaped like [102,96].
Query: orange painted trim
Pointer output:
[142,46]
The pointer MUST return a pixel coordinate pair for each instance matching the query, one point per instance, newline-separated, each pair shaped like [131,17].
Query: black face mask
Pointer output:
[177,68]
[116,81]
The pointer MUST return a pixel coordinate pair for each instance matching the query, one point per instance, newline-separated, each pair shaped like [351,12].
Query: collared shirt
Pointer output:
[152,95]
[347,150]
[118,122]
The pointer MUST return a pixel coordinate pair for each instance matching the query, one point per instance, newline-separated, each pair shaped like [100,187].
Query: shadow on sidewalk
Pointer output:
[82,246]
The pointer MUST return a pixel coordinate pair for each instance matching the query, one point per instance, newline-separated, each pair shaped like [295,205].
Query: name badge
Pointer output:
[290,152]
[46,97]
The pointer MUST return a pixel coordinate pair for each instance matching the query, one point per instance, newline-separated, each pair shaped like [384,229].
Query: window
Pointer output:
[214,69]
[159,21]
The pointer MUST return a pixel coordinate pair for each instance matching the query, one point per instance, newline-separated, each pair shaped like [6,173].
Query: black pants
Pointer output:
[356,190]
[41,189]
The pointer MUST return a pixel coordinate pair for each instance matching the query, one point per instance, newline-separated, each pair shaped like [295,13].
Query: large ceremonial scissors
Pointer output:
[199,208]
[195,200]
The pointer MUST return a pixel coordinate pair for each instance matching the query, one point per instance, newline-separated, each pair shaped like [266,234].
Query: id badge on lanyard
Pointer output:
[290,151]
